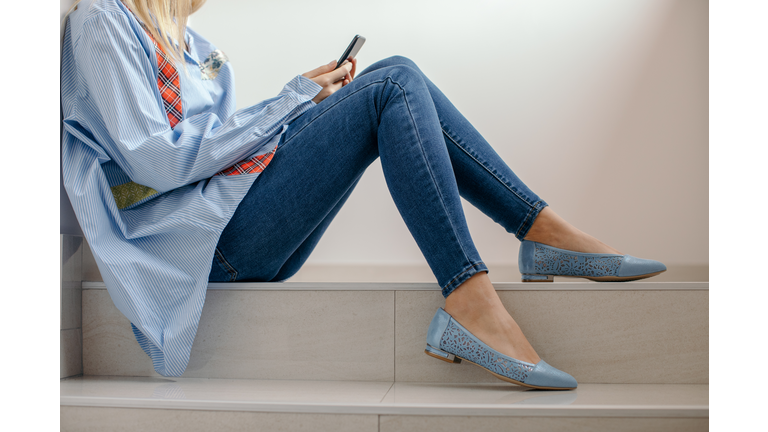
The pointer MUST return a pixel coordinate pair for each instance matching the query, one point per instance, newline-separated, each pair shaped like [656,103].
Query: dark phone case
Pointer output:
[352,49]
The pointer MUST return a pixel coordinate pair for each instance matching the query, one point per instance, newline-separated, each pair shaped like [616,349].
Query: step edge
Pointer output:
[655,411]
[426,286]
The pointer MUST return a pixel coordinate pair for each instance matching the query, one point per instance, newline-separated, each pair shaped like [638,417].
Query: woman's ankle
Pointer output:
[472,297]
[552,230]
[476,306]
[548,228]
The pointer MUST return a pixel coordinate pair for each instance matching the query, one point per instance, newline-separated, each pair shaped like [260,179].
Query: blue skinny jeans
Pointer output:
[430,155]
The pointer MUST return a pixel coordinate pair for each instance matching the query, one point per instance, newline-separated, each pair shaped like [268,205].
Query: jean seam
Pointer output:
[525,200]
[462,273]
[534,210]
[421,147]
[431,174]
[227,266]
[328,109]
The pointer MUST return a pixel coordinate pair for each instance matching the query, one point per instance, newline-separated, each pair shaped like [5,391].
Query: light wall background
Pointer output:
[600,106]
[606,116]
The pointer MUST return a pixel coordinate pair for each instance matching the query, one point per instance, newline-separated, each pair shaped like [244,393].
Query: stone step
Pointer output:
[607,333]
[191,404]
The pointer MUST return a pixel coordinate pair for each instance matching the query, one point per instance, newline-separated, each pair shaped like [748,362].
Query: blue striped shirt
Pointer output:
[155,255]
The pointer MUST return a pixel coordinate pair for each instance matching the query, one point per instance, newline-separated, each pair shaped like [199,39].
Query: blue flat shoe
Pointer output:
[449,341]
[541,263]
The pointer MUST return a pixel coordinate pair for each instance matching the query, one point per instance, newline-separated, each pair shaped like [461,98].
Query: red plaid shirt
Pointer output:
[169,84]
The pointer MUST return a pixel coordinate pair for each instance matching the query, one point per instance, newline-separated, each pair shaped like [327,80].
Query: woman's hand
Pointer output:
[351,75]
[332,80]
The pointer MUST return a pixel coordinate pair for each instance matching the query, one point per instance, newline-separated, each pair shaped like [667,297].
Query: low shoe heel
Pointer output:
[442,355]
[538,278]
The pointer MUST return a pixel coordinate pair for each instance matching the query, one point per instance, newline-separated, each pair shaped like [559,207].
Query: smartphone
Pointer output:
[352,49]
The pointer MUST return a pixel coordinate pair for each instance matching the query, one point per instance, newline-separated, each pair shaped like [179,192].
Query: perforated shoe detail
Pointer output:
[554,262]
[456,341]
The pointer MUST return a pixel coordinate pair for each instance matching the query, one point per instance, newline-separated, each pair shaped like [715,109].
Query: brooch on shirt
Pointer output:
[211,66]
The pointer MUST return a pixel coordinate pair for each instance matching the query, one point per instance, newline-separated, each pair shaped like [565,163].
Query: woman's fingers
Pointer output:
[331,81]
[320,70]
[340,73]
[345,70]
[351,75]
[354,68]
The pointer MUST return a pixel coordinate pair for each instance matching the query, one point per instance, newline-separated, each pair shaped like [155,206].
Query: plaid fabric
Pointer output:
[169,84]
[255,164]
[170,88]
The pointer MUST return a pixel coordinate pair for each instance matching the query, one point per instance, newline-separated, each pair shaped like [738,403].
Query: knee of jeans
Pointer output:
[401,60]
[404,74]
[394,61]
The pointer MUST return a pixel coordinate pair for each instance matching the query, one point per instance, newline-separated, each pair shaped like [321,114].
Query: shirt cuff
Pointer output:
[303,86]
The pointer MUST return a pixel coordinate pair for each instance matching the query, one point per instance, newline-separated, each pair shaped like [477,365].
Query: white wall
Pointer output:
[607,119]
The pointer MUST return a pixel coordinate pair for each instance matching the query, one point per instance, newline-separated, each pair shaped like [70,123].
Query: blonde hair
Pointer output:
[166,21]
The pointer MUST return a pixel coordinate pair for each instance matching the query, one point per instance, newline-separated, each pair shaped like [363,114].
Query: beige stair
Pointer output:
[195,404]
[348,356]
[618,333]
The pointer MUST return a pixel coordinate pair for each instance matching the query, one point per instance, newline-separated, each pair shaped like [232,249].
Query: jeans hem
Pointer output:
[533,213]
[466,273]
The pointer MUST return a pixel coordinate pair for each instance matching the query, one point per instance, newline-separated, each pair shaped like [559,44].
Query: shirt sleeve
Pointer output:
[131,123]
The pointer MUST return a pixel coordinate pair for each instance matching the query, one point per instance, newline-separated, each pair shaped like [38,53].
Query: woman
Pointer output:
[174,188]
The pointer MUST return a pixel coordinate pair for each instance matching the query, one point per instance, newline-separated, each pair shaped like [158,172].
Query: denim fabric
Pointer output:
[430,155]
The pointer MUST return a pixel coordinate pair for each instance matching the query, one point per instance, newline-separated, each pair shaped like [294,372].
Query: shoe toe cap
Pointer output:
[544,375]
[632,266]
